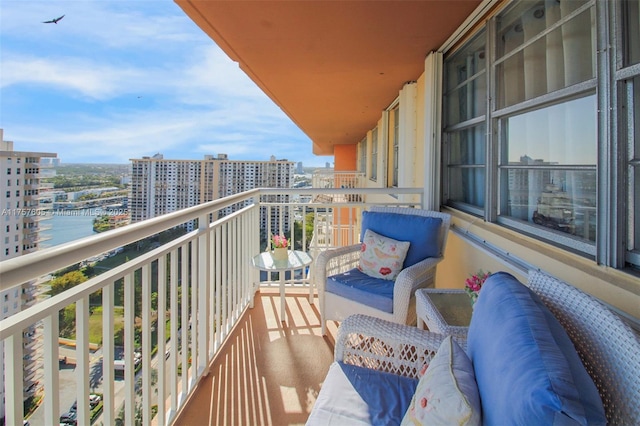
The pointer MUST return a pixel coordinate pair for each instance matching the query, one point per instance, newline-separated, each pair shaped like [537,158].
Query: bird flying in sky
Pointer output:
[53,21]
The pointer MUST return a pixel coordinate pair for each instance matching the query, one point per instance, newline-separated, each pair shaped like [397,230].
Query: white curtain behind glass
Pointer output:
[535,83]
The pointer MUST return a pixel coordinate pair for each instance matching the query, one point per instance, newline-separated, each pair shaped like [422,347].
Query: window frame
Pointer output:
[362,157]
[373,171]
[393,148]
[625,92]
[462,125]
[617,163]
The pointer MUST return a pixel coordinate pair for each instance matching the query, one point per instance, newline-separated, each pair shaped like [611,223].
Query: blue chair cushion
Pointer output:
[527,369]
[422,232]
[357,286]
[387,395]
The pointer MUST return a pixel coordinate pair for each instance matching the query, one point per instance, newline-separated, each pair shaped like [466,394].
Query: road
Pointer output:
[68,384]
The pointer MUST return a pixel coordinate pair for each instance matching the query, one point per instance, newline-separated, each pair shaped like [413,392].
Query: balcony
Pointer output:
[337,179]
[226,353]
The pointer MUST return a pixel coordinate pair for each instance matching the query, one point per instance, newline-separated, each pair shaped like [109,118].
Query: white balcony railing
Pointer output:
[202,279]
[329,178]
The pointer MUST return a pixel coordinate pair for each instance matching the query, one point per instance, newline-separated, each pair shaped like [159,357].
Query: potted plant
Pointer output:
[473,284]
[279,246]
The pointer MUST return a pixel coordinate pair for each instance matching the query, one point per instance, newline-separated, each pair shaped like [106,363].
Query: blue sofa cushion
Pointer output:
[422,232]
[387,395]
[527,369]
[357,286]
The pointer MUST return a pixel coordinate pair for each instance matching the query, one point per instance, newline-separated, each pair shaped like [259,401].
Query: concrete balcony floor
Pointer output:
[268,372]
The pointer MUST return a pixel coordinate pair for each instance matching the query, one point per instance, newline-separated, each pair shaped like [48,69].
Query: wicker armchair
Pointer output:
[334,307]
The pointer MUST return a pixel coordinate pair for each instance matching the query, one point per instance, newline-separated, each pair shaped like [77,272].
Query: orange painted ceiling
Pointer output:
[332,66]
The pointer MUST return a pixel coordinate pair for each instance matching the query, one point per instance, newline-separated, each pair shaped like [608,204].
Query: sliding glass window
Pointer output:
[464,138]
[374,155]
[362,153]
[628,81]
[540,116]
[520,122]
[394,143]
[546,110]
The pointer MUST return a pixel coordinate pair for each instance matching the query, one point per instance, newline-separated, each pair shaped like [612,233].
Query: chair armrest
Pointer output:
[334,261]
[420,275]
[385,346]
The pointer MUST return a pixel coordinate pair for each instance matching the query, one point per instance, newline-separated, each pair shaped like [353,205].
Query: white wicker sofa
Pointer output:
[608,348]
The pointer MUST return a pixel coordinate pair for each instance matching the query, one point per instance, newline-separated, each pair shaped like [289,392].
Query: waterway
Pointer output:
[69,225]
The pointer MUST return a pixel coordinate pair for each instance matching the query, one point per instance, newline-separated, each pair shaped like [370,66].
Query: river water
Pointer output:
[69,225]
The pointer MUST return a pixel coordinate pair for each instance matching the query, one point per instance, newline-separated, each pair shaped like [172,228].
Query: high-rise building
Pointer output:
[21,221]
[160,186]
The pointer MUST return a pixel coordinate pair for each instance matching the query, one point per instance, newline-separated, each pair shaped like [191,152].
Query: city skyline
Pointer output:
[118,80]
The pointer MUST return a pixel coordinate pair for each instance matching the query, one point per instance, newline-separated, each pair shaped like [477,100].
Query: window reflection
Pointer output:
[556,199]
[559,134]
[538,146]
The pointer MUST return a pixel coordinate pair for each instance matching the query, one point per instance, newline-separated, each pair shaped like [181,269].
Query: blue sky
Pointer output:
[118,79]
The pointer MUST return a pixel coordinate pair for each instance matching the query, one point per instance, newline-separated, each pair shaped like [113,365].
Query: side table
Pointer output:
[296,260]
[444,311]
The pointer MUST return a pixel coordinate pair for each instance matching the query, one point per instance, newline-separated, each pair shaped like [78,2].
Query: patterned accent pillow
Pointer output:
[447,393]
[382,257]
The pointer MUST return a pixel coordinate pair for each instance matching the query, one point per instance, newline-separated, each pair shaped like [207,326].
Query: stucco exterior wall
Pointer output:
[345,157]
[463,257]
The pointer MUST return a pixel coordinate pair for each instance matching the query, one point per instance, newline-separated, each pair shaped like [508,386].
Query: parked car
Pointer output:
[94,400]
[68,419]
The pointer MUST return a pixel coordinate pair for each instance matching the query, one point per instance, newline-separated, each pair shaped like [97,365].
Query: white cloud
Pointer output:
[79,76]
[116,80]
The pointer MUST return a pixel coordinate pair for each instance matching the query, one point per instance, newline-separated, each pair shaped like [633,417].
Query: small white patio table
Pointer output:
[296,260]
[445,311]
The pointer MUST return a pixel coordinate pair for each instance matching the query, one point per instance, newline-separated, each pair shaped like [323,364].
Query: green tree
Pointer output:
[67,281]
[67,319]
[297,229]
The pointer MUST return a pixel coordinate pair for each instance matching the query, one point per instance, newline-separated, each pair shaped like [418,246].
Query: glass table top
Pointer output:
[455,308]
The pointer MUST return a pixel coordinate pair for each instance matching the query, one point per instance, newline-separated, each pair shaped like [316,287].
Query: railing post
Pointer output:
[108,385]
[146,344]
[162,340]
[184,321]
[217,298]
[193,311]
[13,373]
[82,359]
[204,283]
[129,324]
[51,367]
[173,361]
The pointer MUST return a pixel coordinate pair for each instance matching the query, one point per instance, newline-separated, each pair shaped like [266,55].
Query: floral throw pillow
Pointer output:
[447,393]
[382,257]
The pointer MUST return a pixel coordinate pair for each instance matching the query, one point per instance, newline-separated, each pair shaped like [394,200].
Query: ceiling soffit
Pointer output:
[331,66]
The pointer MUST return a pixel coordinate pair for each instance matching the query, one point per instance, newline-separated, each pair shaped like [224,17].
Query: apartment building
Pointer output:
[160,186]
[22,220]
